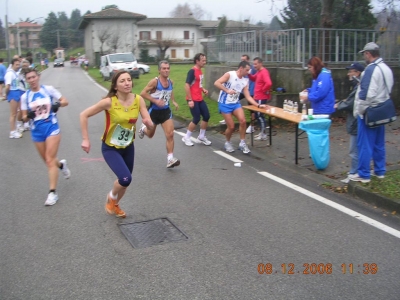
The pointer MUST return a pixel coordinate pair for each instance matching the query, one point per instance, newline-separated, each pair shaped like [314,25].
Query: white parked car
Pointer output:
[143,68]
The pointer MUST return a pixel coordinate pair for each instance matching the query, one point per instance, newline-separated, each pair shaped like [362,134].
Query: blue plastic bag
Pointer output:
[318,140]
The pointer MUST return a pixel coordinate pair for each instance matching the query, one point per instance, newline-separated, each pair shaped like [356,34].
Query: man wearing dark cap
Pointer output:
[354,73]
[375,88]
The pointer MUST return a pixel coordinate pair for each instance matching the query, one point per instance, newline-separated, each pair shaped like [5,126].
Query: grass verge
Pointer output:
[388,186]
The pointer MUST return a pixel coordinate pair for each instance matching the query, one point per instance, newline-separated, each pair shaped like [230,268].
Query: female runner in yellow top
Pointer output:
[121,113]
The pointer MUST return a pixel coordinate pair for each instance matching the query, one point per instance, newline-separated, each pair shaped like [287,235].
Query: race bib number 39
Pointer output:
[121,136]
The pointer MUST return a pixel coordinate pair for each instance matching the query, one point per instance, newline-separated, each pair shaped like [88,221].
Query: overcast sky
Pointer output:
[255,10]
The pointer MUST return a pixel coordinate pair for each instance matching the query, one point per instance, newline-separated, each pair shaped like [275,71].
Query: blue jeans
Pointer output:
[353,153]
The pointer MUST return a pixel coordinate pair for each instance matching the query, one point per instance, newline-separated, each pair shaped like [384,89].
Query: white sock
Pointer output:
[19,123]
[188,134]
[202,133]
[242,142]
[114,197]
[170,156]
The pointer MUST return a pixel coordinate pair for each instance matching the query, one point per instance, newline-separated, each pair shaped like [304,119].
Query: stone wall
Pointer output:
[295,80]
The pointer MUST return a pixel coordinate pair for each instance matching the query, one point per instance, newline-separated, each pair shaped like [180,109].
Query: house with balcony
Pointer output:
[28,35]
[177,37]
[113,30]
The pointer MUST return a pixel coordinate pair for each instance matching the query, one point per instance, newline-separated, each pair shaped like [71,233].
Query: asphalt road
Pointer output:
[235,218]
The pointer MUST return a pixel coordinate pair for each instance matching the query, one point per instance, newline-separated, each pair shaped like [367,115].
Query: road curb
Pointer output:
[357,190]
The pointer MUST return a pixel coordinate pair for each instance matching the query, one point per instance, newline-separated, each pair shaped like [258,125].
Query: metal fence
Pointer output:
[334,46]
[343,45]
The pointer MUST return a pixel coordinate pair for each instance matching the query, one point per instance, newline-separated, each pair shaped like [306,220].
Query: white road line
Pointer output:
[227,156]
[92,80]
[332,204]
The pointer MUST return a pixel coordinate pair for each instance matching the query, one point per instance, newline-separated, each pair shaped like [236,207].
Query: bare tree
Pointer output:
[103,34]
[197,12]
[115,41]
[326,22]
[186,10]
[164,44]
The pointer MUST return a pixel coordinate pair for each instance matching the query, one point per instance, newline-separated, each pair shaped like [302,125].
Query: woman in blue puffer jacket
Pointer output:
[321,94]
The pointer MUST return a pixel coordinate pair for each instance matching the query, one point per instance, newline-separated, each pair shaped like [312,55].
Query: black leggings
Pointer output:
[120,162]
[200,108]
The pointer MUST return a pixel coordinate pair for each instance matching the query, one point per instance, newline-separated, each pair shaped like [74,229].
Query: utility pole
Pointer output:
[58,38]
[8,42]
[19,40]
[7,36]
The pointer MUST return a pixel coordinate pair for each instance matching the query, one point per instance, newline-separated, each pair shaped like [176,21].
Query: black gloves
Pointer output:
[31,115]
[55,106]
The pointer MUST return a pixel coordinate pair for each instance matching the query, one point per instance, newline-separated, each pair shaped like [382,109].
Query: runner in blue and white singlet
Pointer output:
[45,121]
[159,91]
[234,83]
[231,85]
[39,106]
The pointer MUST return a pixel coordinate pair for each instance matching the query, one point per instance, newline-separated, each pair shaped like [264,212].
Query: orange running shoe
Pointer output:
[118,211]
[112,208]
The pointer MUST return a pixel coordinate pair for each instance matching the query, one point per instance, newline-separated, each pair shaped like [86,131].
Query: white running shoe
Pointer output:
[187,142]
[204,140]
[228,147]
[20,129]
[378,176]
[173,162]
[52,199]
[65,171]
[141,131]
[244,148]
[26,126]
[250,129]
[261,137]
[357,177]
[222,122]
[15,134]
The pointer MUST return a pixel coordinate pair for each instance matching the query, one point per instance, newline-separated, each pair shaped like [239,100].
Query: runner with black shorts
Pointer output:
[159,91]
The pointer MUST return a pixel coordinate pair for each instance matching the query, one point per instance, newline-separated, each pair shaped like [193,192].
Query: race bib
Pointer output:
[121,136]
[165,96]
[232,98]
[41,107]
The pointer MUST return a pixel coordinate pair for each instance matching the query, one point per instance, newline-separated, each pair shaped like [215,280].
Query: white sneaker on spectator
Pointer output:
[357,177]
[15,134]
[187,142]
[261,137]
[250,129]
[378,176]
[204,140]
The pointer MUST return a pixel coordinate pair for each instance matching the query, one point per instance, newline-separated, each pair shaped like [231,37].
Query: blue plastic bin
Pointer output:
[318,140]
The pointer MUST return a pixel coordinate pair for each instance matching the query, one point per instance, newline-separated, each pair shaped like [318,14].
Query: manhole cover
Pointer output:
[153,232]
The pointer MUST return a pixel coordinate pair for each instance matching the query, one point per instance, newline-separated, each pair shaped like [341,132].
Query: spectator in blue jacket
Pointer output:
[2,74]
[321,94]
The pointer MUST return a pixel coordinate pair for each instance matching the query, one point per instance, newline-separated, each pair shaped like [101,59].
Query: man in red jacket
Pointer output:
[262,93]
